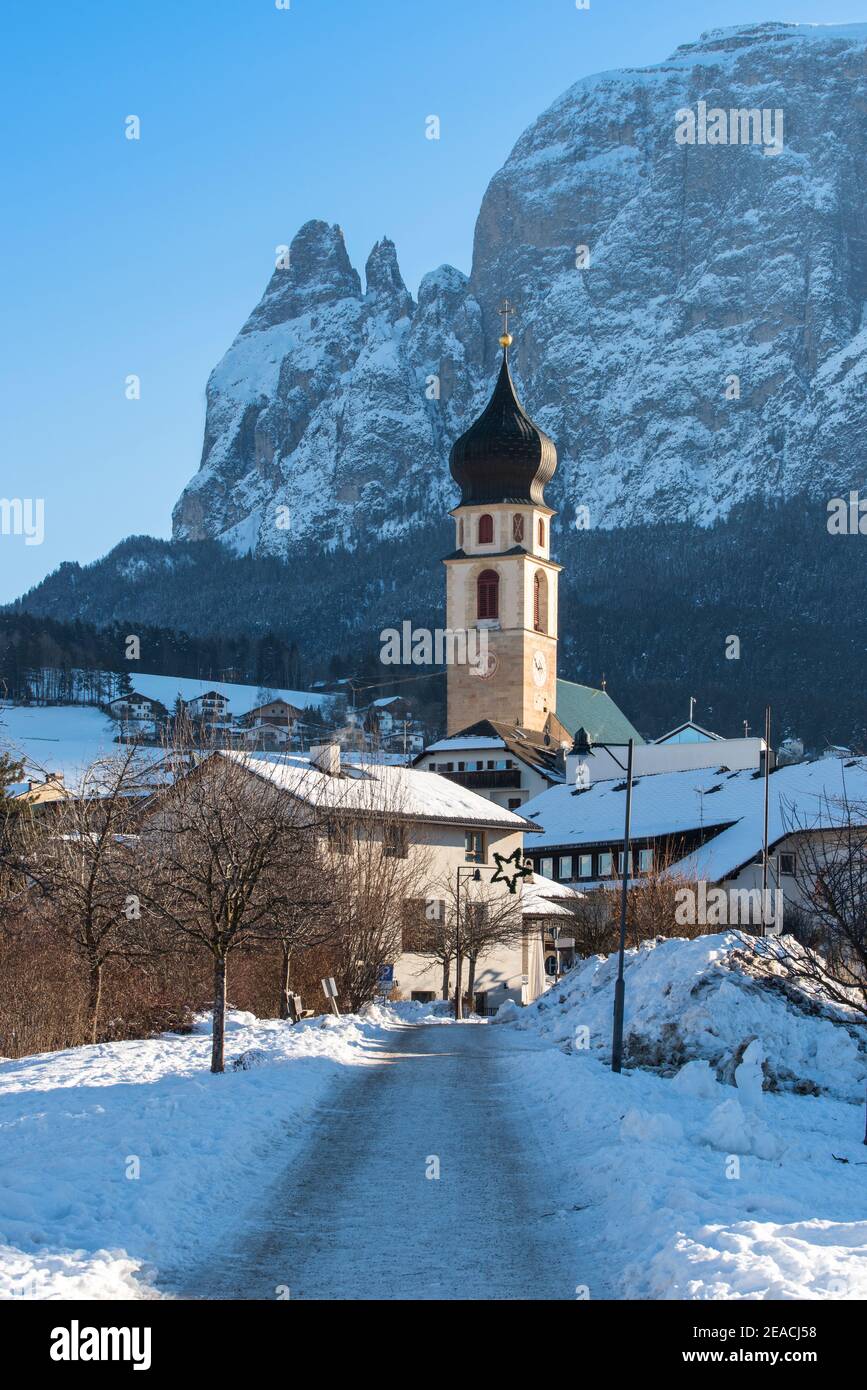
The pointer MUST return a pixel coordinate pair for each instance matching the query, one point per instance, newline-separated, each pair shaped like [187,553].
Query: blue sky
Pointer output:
[145,257]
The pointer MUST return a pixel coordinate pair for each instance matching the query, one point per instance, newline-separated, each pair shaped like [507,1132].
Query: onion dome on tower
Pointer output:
[503,457]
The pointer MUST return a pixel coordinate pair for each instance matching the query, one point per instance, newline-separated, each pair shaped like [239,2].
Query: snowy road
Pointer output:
[354,1215]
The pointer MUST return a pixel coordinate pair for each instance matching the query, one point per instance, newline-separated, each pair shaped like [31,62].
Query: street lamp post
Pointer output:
[620,986]
[476,875]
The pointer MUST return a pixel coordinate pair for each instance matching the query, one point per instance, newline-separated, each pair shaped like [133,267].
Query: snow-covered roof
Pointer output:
[242,698]
[368,787]
[539,897]
[804,795]
[454,745]
[662,803]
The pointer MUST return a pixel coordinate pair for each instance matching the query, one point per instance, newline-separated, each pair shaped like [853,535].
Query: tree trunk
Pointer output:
[285,1011]
[219,1025]
[446,971]
[94,996]
[471,980]
[459,970]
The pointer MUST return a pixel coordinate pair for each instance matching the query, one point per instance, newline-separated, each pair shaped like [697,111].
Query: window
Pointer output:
[486,529]
[645,861]
[585,865]
[421,924]
[517,527]
[514,803]
[787,864]
[565,870]
[540,601]
[340,836]
[541,532]
[546,867]
[488,594]
[461,534]
[394,841]
[621,859]
[604,862]
[474,846]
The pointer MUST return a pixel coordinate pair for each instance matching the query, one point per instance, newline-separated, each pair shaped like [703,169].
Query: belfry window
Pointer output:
[541,532]
[486,529]
[540,601]
[488,590]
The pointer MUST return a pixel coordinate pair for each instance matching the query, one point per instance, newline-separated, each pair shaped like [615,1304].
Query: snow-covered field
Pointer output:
[57,738]
[77,1126]
[697,1180]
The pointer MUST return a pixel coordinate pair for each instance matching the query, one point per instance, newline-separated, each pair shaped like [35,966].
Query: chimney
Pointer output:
[326,756]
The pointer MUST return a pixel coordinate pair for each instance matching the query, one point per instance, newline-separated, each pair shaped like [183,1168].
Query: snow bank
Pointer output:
[707,1000]
[729,1162]
[124,1160]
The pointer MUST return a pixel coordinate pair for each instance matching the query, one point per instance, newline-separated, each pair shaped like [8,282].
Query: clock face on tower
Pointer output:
[540,668]
[485,667]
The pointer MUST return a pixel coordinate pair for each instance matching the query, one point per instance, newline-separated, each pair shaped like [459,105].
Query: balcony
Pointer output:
[486,779]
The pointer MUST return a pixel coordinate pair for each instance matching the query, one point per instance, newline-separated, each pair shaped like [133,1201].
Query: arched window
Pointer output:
[486,529]
[461,534]
[488,591]
[541,532]
[540,601]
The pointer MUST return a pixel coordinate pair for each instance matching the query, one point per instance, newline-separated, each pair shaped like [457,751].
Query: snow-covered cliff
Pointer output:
[707,262]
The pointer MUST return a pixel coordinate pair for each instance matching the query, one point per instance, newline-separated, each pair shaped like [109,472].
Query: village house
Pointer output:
[133,706]
[210,708]
[701,825]
[273,713]
[452,838]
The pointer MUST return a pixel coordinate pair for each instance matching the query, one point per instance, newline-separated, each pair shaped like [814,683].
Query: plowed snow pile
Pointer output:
[707,1000]
[726,1161]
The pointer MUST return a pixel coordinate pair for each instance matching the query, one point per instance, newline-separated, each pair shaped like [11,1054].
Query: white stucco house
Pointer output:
[454,842]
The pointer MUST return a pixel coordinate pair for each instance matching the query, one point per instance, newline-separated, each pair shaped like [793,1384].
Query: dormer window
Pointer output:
[486,529]
[488,594]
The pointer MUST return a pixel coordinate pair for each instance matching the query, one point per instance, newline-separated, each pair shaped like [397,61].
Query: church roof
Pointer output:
[582,707]
[503,456]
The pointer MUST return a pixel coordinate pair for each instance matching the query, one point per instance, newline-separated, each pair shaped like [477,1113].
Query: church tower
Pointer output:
[501,577]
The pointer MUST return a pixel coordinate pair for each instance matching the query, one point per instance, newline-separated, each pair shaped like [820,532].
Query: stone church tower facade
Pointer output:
[501,577]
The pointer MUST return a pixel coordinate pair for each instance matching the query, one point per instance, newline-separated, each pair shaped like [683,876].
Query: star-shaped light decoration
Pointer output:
[522,870]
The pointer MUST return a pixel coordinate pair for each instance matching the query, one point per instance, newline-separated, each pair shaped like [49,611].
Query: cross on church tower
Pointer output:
[505,309]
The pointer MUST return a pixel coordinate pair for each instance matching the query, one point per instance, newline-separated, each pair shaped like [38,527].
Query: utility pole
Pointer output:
[620,986]
[765,825]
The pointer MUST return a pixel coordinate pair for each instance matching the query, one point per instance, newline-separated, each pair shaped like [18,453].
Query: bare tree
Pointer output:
[76,855]
[828,916]
[228,857]
[378,863]
[471,920]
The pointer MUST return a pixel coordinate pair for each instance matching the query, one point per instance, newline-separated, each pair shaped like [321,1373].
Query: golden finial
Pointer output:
[505,309]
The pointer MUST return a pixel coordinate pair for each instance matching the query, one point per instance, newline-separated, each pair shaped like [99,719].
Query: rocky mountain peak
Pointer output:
[690,327]
[316,269]
[384,280]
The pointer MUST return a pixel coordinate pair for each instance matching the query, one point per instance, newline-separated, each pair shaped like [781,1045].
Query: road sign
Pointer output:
[329,987]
